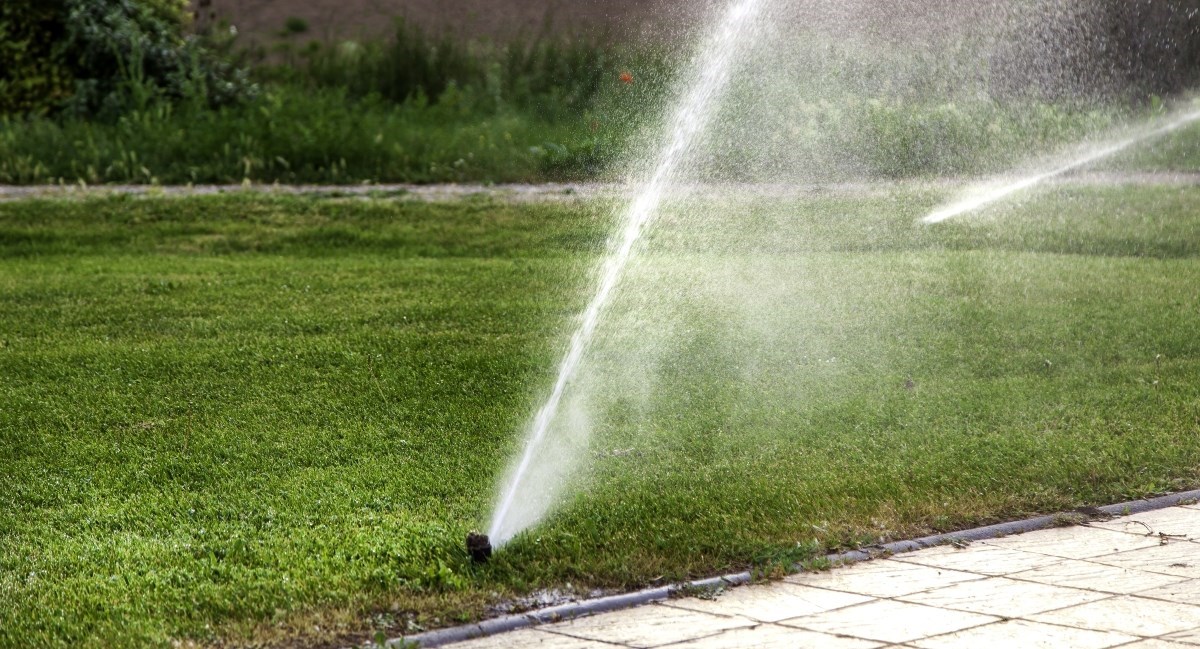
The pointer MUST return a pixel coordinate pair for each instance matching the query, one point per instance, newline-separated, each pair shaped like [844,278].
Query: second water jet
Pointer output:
[989,193]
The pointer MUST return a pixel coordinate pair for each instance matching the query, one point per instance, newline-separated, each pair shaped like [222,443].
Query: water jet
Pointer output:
[704,85]
[992,192]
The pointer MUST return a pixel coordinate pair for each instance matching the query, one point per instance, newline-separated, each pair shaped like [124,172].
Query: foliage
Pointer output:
[418,107]
[34,76]
[293,135]
[551,76]
[526,125]
[106,58]
[287,135]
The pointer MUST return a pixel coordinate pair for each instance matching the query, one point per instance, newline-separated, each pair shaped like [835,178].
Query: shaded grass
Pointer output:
[269,419]
[1180,152]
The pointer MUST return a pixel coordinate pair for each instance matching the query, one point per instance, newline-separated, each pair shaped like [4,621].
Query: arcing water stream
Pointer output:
[815,93]
[706,82]
[992,192]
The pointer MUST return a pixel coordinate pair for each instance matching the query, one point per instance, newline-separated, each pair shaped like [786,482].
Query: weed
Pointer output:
[709,593]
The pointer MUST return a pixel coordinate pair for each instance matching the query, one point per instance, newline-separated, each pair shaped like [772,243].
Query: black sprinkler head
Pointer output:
[479,547]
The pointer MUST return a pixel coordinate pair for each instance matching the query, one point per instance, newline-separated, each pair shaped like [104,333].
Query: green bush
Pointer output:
[106,57]
[34,76]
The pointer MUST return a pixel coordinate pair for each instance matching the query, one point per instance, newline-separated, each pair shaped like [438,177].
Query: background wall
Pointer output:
[338,19]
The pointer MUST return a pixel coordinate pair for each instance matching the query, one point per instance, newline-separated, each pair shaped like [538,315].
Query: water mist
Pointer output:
[523,500]
[740,299]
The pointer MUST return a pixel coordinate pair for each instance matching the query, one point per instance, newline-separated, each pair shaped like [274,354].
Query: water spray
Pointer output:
[708,78]
[990,193]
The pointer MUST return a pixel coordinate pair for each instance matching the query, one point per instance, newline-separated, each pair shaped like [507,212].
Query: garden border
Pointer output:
[629,600]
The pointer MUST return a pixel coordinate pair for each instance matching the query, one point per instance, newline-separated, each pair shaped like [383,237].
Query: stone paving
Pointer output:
[1127,582]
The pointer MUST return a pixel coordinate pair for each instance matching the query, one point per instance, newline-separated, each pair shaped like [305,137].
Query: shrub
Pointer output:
[34,76]
[105,57]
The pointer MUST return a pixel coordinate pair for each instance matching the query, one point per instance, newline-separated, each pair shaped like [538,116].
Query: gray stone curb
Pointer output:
[629,600]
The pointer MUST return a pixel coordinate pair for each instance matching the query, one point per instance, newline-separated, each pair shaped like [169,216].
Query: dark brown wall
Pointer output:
[646,19]
[340,19]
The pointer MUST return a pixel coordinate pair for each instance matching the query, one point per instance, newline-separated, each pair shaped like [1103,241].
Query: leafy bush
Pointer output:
[106,57]
[34,75]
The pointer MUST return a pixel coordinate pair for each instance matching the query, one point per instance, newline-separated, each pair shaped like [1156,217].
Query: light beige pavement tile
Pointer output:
[770,636]
[980,558]
[1003,597]
[1075,542]
[890,621]
[771,602]
[1189,637]
[1023,633]
[1184,592]
[1173,520]
[882,578]
[1127,614]
[1097,576]
[651,625]
[531,638]
[1175,558]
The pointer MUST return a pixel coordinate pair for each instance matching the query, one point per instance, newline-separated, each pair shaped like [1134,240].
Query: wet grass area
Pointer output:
[274,419]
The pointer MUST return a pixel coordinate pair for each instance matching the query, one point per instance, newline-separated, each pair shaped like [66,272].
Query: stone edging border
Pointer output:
[637,598]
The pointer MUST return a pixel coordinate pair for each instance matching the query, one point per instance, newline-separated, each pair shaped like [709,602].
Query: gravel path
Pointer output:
[562,191]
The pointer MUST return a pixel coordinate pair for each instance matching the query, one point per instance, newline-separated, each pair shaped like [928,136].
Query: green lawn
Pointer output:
[1178,153]
[273,419]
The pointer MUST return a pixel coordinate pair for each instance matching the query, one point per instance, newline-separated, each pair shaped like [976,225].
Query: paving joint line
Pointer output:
[1000,619]
[588,607]
[1110,593]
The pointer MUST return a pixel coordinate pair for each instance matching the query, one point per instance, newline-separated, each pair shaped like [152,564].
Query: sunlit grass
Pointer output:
[236,419]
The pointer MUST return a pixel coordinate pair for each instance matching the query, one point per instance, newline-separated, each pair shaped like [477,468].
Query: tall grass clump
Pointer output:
[287,135]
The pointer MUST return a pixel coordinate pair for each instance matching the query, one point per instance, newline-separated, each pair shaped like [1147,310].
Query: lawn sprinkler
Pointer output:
[479,547]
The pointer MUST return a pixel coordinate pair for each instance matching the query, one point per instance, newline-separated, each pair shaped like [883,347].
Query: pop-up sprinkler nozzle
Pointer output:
[479,547]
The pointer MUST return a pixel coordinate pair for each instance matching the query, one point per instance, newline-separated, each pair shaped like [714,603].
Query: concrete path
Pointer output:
[568,191]
[1127,582]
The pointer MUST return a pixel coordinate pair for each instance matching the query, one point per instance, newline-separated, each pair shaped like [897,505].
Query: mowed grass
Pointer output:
[269,420]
